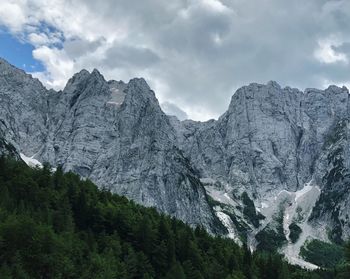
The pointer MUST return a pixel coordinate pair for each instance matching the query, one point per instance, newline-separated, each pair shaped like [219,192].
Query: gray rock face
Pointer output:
[271,143]
[110,132]
[255,143]
[270,139]
[23,108]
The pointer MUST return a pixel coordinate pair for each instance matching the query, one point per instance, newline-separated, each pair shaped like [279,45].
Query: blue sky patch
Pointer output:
[18,53]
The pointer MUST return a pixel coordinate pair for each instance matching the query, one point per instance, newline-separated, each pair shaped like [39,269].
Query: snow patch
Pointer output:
[264,205]
[117,96]
[297,207]
[30,161]
[300,262]
[207,180]
[227,222]
[302,192]
[220,195]
[114,103]
[298,211]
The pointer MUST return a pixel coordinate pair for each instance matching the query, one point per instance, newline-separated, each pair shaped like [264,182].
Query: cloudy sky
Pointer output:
[193,53]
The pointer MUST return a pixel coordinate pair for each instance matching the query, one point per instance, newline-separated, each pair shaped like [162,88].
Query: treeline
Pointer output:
[55,225]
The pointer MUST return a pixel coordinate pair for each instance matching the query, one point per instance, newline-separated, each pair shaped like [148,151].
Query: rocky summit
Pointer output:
[272,171]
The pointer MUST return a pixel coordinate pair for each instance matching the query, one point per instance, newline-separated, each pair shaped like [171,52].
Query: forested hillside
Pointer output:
[55,225]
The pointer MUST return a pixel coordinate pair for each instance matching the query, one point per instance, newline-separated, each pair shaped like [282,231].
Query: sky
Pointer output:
[193,53]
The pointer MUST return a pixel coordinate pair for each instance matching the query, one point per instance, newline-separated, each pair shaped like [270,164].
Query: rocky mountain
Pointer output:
[287,151]
[273,170]
[110,132]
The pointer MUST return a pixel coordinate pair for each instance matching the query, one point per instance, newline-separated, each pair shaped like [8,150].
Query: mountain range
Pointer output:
[272,171]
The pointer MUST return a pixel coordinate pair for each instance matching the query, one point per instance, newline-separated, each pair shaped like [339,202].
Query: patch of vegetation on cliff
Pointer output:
[326,255]
[249,210]
[272,236]
[295,232]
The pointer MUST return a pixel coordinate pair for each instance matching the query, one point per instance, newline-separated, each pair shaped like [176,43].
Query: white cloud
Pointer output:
[38,39]
[215,5]
[12,15]
[198,113]
[326,52]
[192,52]
[41,38]
[59,67]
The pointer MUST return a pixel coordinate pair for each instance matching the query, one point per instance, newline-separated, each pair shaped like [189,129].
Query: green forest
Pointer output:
[56,225]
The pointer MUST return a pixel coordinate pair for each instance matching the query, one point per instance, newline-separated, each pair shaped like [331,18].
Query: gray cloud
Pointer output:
[129,56]
[79,47]
[195,53]
[345,48]
[172,109]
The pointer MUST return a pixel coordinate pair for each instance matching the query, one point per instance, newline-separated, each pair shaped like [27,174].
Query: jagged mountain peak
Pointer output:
[270,97]
[138,93]
[269,84]
[331,89]
[139,86]
[4,64]
[96,72]
[81,74]
[8,70]
[116,82]
[17,77]
[337,90]
[96,83]
[274,84]
[84,76]
[140,82]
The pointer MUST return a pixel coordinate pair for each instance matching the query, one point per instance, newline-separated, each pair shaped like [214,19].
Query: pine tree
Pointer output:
[58,178]
[190,271]
[283,272]
[131,262]
[144,266]
[160,258]
[176,272]
[247,262]
[146,236]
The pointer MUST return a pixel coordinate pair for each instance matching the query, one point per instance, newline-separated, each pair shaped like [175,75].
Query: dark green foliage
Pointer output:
[272,236]
[249,210]
[270,240]
[295,232]
[213,202]
[347,252]
[175,272]
[59,226]
[322,254]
